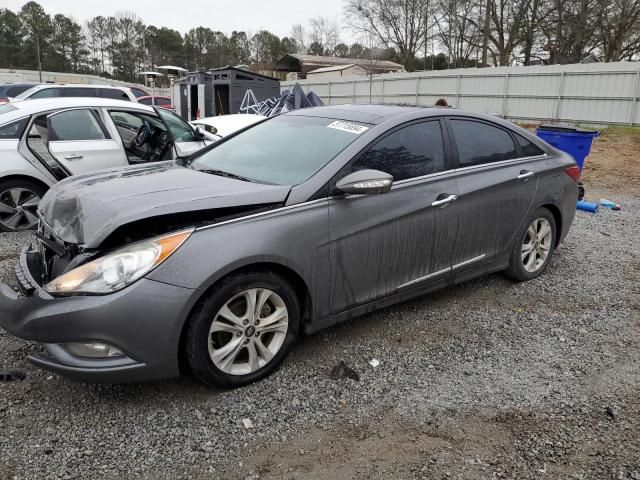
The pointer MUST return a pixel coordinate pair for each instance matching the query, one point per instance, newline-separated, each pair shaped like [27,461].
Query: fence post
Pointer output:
[417,90]
[506,96]
[634,101]
[353,100]
[556,116]
[382,93]
[329,92]
[458,92]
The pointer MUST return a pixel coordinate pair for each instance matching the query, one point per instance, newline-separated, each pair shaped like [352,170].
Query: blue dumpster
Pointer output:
[575,141]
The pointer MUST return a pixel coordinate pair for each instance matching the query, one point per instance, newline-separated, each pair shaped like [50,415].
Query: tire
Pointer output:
[218,323]
[523,266]
[18,203]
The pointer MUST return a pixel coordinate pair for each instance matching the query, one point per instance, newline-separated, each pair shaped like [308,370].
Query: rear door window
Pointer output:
[165,102]
[409,152]
[76,125]
[480,143]
[79,92]
[145,101]
[15,91]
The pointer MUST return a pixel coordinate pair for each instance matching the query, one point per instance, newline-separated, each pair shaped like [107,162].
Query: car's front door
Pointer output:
[183,134]
[78,140]
[388,243]
[498,181]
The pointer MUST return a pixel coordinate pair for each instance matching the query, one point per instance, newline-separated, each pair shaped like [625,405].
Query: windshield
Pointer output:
[286,150]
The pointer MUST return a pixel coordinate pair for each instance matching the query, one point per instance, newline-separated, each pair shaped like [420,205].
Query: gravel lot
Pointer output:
[485,380]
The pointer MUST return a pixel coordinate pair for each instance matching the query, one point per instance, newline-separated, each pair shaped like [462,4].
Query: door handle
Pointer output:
[74,156]
[444,201]
[525,174]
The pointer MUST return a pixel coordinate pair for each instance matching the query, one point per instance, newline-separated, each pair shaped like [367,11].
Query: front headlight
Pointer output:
[120,268]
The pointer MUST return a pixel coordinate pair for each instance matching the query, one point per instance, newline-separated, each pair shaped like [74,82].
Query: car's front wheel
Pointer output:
[18,204]
[533,246]
[243,330]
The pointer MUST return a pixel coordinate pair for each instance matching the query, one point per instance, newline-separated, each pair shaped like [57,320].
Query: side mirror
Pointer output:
[365,182]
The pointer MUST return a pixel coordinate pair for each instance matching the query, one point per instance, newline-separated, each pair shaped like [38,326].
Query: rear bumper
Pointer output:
[144,321]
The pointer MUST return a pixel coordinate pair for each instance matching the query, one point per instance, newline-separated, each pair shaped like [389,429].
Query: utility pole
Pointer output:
[38,57]
[485,43]
[426,32]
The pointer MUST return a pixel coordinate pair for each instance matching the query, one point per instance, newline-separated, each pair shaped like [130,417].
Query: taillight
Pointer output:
[4,100]
[573,172]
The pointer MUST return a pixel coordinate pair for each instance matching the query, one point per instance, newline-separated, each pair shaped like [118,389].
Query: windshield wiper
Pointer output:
[222,173]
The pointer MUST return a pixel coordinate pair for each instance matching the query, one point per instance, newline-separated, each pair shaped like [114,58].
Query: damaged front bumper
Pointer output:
[143,321]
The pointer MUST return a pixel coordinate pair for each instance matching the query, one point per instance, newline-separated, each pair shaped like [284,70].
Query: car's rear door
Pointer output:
[497,180]
[389,243]
[78,140]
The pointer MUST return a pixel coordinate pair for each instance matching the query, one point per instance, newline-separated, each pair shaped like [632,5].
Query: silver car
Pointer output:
[44,141]
[220,262]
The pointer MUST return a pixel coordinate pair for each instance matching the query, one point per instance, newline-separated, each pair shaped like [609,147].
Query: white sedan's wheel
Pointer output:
[248,331]
[18,205]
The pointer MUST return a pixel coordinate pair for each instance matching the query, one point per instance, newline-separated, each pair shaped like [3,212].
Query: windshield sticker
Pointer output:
[348,127]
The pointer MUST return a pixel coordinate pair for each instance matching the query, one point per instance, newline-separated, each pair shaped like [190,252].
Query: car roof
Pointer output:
[373,114]
[377,114]
[154,96]
[30,107]
[74,85]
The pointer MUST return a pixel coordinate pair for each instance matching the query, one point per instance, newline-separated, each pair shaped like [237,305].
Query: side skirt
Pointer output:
[496,265]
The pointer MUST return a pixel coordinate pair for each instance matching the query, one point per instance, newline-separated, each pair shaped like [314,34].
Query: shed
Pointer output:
[303,64]
[349,70]
[195,96]
[230,84]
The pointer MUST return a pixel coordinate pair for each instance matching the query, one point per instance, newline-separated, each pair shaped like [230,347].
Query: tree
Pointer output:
[324,34]
[37,29]
[619,29]
[164,46]
[267,48]
[394,23]
[341,50]
[10,39]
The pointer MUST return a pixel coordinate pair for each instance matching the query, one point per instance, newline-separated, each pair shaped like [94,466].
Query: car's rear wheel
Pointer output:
[243,330]
[18,204]
[533,247]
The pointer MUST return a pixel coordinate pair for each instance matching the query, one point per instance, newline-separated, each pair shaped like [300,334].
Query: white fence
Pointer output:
[13,76]
[601,93]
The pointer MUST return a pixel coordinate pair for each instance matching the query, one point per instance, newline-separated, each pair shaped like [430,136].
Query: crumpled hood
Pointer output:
[85,209]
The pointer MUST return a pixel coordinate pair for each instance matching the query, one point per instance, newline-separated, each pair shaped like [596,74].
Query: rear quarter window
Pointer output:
[13,130]
[113,93]
[528,148]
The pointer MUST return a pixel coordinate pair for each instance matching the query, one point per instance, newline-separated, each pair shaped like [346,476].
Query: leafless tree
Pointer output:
[397,24]
[619,29]
[324,33]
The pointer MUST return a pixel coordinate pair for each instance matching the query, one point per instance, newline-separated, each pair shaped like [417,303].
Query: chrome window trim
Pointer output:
[512,161]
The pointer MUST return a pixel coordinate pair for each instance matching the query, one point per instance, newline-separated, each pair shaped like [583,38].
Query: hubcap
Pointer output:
[536,245]
[248,331]
[18,208]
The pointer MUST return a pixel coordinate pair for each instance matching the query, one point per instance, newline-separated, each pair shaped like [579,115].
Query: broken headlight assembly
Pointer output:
[120,268]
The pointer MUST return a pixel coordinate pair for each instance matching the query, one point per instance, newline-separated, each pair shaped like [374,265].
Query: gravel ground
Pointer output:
[485,380]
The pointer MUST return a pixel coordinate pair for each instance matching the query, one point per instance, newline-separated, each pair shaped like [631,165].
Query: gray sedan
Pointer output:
[219,263]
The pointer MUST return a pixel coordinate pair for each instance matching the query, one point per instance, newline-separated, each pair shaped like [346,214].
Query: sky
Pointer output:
[223,15]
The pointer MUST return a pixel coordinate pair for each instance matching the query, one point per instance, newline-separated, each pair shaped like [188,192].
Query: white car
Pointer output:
[51,90]
[224,125]
[44,141]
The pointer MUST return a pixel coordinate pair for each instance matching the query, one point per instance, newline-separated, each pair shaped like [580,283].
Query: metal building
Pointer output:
[194,97]
[229,85]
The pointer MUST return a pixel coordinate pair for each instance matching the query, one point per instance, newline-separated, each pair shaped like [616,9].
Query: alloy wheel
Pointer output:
[248,331]
[18,208]
[536,245]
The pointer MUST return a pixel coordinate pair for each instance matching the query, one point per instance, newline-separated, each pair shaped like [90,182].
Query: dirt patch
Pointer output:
[614,161]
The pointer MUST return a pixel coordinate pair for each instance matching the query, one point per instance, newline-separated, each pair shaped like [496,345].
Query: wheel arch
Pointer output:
[557,216]
[26,178]
[294,278]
